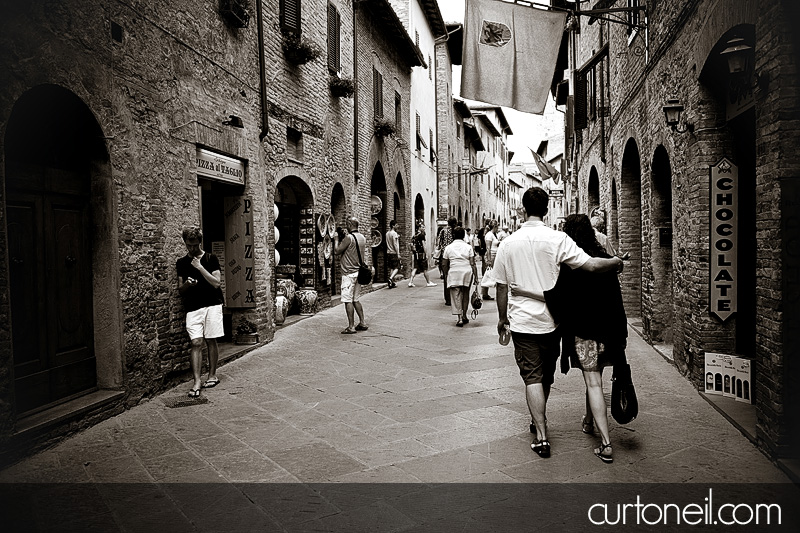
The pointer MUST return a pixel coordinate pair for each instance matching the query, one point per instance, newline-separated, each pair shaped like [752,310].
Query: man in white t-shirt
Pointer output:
[531,258]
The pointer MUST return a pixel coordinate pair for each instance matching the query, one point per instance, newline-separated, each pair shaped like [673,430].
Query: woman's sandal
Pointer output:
[587,427]
[542,448]
[604,453]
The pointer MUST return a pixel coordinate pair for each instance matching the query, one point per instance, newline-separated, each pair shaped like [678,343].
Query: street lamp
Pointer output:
[672,113]
[737,54]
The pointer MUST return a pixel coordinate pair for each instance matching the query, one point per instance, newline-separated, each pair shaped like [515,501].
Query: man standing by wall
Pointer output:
[531,258]
[199,286]
[392,253]
[351,247]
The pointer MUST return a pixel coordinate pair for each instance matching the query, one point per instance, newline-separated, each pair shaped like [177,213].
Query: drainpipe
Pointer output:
[262,73]
[355,94]
[602,106]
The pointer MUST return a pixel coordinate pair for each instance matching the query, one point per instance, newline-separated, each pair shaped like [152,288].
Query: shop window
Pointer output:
[334,39]
[294,145]
[290,16]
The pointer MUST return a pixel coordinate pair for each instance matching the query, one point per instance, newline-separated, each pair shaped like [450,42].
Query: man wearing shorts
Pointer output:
[392,253]
[531,258]
[199,286]
[351,289]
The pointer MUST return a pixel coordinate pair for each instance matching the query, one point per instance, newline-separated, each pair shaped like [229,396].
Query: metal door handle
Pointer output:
[70,260]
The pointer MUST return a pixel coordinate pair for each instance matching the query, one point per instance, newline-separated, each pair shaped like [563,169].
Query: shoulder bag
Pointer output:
[624,405]
[364,271]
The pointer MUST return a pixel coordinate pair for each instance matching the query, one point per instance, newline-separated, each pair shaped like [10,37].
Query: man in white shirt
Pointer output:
[492,242]
[531,258]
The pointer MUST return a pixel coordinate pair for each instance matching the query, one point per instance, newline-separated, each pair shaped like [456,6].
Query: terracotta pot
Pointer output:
[308,301]
[281,308]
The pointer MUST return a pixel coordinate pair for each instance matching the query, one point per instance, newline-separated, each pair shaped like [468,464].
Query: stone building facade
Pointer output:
[120,124]
[690,266]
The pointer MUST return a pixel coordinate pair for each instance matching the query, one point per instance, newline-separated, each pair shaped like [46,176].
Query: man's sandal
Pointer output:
[211,383]
[194,393]
[587,427]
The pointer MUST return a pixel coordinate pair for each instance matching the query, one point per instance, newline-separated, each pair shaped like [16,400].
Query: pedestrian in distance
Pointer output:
[530,259]
[458,262]
[480,246]
[492,243]
[351,246]
[445,239]
[420,257]
[392,253]
[199,287]
[598,220]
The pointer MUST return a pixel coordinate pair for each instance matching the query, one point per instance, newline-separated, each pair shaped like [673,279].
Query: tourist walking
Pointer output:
[420,257]
[392,253]
[199,287]
[492,243]
[351,247]
[530,258]
[444,240]
[458,263]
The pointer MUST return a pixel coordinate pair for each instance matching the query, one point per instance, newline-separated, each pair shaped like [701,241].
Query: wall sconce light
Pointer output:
[234,121]
[672,113]
[737,55]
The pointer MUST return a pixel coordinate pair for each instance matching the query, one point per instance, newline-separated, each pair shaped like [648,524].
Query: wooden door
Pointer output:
[51,292]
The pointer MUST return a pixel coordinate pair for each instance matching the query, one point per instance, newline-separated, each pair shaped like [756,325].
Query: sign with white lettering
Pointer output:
[219,167]
[239,255]
[723,241]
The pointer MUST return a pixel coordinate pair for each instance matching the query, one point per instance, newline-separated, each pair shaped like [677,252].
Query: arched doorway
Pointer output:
[660,326]
[593,188]
[62,251]
[339,212]
[630,228]
[403,228]
[297,227]
[379,222]
[419,213]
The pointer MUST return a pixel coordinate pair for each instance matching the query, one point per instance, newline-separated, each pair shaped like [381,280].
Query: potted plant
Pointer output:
[236,12]
[384,128]
[298,50]
[342,87]
[246,332]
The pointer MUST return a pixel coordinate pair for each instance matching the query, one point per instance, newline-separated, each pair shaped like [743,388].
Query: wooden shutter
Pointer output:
[377,92]
[290,16]
[580,101]
[419,137]
[334,39]
[398,113]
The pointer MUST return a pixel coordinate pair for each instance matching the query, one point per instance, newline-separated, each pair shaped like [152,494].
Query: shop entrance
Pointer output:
[297,245]
[213,195]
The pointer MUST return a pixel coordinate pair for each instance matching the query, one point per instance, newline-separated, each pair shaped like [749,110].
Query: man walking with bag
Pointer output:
[351,249]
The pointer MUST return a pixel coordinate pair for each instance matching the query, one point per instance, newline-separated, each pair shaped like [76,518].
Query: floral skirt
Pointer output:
[591,355]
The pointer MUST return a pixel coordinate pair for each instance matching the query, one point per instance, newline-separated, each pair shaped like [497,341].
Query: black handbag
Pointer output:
[476,300]
[624,405]
[364,271]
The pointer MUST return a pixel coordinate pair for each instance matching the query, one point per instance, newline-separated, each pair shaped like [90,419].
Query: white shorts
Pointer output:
[206,322]
[351,288]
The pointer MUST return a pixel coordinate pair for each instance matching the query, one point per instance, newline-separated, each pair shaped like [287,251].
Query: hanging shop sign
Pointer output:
[724,225]
[240,285]
[219,167]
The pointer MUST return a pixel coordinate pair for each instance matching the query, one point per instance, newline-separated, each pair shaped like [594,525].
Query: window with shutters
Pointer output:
[580,101]
[430,68]
[334,39]
[591,93]
[294,145]
[419,137]
[398,114]
[432,151]
[290,16]
[377,92]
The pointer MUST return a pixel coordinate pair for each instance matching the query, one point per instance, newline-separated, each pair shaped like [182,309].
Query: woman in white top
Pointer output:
[458,266]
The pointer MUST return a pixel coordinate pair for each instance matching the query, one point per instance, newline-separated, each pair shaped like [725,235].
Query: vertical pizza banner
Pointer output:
[239,255]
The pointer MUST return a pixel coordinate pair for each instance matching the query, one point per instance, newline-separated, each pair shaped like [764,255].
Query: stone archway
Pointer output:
[630,228]
[593,189]
[659,329]
[379,222]
[297,227]
[64,292]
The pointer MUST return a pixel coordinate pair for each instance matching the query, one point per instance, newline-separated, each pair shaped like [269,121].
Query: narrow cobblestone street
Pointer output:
[414,399]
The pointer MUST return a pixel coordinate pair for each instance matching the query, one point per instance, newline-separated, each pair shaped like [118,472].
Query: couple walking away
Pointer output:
[526,267]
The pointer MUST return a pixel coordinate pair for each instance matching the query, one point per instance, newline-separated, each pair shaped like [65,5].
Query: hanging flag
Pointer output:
[510,54]
[546,170]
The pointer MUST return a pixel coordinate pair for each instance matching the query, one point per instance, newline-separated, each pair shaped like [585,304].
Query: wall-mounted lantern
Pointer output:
[672,113]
